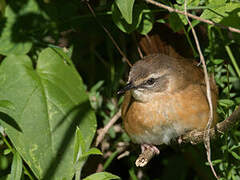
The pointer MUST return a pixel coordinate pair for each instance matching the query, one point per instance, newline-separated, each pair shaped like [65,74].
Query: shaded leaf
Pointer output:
[175,22]
[10,121]
[14,41]
[147,23]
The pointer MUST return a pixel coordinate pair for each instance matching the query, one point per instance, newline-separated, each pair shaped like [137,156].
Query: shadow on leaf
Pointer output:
[3,21]
[77,114]
[28,27]
[10,121]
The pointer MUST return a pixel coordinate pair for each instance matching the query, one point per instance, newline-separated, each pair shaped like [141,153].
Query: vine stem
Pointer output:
[170,9]
[209,96]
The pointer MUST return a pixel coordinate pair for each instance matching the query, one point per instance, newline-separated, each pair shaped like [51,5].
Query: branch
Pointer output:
[195,137]
[170,9]
[108,34]
[222,127]
[144,157]
[102,132]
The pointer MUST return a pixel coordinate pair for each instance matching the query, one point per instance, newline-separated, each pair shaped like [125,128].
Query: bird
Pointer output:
[165,97]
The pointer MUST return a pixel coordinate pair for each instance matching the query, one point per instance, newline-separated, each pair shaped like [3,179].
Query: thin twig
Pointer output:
[109,35]
[102,132]
[170,9]
[140,52]
[137,45]
[126,153]
[210,120]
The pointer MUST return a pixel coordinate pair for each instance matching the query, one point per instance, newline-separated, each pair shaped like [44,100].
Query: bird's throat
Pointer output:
[141,95]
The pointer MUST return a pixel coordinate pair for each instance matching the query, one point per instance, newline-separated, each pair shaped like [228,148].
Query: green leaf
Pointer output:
[121,22]
[181,16]
[126,9]
[147,23]
[101,176]
[163,21]
[50,102]
[218,61]
[6,104]
[7,151]
[79,147]
[2,6]
[4,163]
[226,102]
[227,14]
[16,169]
[97,86]
[15,34]
[92,151]
[175,22]
[190,3]
[234,154]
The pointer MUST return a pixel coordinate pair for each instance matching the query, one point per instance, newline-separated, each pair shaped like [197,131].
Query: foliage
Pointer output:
[59,75]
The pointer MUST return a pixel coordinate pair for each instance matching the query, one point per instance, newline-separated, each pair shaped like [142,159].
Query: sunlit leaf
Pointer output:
[92,151]
[126,9]
[120,21]
[228,14]
[226,102]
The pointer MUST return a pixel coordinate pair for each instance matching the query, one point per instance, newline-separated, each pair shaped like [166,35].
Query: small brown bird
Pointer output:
[164,98]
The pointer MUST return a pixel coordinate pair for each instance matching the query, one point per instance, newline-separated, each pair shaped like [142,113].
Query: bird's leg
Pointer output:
[153,148]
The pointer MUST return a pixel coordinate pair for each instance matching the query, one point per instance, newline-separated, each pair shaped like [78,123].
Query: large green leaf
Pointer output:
[50,102]
[17,26]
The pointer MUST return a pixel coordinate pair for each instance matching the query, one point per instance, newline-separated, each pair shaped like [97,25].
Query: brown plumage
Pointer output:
[165,97]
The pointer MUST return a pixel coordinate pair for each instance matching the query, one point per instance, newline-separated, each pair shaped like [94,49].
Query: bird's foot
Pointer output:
[148,151]
[153,148]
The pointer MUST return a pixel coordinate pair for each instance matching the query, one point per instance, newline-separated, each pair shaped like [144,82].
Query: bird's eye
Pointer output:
[150,81]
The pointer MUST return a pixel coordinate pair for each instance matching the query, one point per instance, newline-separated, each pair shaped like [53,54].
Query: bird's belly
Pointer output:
[158,134]
[157,122]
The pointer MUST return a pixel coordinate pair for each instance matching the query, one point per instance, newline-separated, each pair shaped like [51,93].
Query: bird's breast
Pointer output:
[166,116]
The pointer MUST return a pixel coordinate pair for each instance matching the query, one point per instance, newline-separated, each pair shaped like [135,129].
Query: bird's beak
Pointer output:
[126,88]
